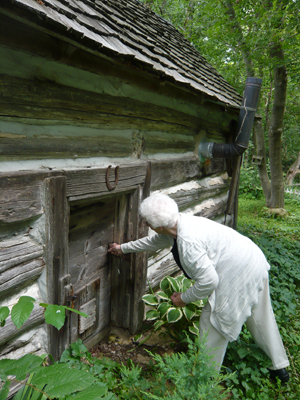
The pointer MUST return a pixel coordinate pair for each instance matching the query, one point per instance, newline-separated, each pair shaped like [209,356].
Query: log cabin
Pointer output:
[102,103]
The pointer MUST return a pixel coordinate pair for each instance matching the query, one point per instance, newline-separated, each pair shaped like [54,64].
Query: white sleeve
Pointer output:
[149,243]
[206,281]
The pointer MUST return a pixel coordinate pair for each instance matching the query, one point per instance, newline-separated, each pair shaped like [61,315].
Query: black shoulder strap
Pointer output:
[175,253]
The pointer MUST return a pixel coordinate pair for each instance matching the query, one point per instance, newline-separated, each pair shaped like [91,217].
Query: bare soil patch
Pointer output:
[120,346]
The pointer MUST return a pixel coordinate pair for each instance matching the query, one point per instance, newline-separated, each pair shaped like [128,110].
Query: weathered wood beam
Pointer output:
[21,195]
[56,254]
[17,251]
[120,267]
[91,183]
[10,331]
[15,279]
[47,100]
[19,199]
[173,172]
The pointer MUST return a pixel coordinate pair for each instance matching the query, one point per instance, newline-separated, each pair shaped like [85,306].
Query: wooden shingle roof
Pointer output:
[131,30]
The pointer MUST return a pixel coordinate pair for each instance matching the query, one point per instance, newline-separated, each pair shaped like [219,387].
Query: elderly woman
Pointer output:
[226,266]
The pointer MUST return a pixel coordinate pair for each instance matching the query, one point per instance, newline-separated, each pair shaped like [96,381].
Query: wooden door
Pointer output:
[91,230]
[83,215]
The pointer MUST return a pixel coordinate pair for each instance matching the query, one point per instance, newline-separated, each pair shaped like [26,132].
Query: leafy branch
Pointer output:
[54,315]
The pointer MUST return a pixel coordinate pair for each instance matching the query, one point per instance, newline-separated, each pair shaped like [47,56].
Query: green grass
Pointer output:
[278,237]
[253,214]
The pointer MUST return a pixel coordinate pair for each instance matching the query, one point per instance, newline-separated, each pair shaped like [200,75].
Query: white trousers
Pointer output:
[262,326]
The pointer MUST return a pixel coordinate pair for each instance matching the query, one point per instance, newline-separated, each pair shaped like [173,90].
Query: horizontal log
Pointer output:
[159,266]
[48,100]
[89,183]
[17,251]
[213,209]
[72,147]
[10,331]
[196,192]
[173,172]
[19,203]
[15,279]
[159,142]
[20,195]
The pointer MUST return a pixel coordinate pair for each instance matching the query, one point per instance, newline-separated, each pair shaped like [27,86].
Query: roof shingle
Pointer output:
[131,29]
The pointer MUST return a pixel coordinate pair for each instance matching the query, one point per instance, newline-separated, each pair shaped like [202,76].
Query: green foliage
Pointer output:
[21,311]
[55,315]
[81,377]
[190,375]
[250,186]
[175,319]
[54,381]
[279,240]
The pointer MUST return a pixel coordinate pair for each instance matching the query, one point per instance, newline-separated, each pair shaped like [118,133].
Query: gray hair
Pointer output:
[159,210]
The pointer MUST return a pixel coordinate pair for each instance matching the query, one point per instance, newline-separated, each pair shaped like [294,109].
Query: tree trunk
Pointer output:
[293,171]
[275,127]
[258,134]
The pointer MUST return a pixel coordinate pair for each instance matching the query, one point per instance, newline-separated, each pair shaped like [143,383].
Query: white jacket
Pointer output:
[226,266]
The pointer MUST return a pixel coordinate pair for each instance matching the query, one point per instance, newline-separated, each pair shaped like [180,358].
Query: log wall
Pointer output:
[67,115]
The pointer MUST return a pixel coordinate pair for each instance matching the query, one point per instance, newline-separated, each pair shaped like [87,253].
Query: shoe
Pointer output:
[282,374]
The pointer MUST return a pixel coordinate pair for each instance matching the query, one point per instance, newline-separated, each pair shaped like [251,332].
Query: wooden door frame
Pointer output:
[91,184]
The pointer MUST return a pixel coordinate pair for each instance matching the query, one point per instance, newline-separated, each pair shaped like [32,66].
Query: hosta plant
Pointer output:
[163,311]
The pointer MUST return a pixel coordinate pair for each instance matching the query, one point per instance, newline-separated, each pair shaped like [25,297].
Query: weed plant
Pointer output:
[178,376]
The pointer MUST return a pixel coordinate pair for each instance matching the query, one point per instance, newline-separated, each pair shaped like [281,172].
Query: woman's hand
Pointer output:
[176,299]
[115,249]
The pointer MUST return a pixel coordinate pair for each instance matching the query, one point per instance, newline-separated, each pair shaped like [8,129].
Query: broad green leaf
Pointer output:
[243,352]
[78,348]
[152,314]
[180,279]
[62,380]
[20,368]
[194,330]
[94,392]
[4,313]
[186,283]
[165,286]
[163,295]
[174,315]
[189,311]
[4,391]
[150,299]
[55,315]
[163,308]
[198,303]
[174,284]
[21,311]
[26,299]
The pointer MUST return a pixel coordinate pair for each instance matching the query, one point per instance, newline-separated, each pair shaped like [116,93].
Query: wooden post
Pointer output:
[56,255]
[129,273]
[120,267]
[139,260]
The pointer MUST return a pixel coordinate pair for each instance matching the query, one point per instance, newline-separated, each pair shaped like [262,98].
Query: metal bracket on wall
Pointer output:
[257,160]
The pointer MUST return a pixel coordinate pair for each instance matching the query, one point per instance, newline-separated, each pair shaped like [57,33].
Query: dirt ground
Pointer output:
[120,346]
